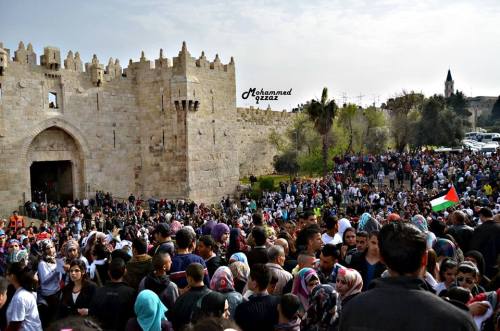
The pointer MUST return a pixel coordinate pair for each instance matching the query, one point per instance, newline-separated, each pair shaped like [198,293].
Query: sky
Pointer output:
[364,51]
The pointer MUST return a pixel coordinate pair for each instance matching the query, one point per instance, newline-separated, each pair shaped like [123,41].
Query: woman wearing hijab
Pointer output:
[322,314]
[368,224]
[421,223]
[241,257]
[150,313]
[49,278]
[305,281]
[445,248]
[220,233]
[349,284]
[477,258]
[237,242]
[222,282]
[240,272]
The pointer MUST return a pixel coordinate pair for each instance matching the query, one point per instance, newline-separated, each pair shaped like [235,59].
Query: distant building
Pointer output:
[478,105]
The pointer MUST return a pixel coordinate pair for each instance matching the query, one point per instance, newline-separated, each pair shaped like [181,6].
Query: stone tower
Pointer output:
[448,85]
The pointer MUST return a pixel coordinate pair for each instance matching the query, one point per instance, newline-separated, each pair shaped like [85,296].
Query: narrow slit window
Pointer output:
[0,93]
[53,100]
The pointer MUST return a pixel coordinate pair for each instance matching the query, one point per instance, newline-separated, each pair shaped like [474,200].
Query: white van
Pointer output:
[488,137]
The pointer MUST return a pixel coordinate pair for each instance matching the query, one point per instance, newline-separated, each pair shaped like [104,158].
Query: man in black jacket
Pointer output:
[258,254]
[402,301]
[180,314]
[460,231]
[486,239]
[260,311]
[113,304]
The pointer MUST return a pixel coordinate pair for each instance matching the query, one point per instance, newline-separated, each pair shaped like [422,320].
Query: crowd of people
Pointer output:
[360,249]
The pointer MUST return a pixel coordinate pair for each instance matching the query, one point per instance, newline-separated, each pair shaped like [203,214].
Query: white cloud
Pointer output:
[372,47]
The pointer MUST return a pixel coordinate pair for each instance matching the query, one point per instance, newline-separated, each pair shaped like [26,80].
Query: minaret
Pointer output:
[448,85]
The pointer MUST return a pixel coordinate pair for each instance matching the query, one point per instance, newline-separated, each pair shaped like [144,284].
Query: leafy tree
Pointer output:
[399,109]
[495,111]
[458,103]
[438,125]
[322,113]
[346,117]
[287,163]
[277,140]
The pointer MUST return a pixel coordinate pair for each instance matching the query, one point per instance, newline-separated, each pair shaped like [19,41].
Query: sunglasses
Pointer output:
[465,279]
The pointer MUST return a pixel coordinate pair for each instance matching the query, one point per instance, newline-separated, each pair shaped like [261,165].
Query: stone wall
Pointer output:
[255,152]
[162,128]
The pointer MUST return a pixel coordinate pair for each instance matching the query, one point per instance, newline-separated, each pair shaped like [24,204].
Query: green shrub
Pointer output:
[266,183]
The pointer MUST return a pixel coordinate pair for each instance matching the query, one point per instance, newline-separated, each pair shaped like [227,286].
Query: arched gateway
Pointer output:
[55,163]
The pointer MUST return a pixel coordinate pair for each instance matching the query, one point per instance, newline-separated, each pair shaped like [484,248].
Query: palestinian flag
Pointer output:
[445,200]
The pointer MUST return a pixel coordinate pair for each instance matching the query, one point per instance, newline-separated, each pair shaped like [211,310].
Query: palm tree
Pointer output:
[322,112]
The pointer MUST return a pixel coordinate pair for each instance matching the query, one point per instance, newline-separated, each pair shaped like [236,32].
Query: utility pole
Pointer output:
[360,99]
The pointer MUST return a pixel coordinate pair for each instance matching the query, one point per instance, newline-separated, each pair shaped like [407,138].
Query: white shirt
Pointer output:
[327,239]
[23,308]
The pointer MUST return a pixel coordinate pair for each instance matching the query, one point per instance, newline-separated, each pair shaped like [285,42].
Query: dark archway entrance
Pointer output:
[54,178]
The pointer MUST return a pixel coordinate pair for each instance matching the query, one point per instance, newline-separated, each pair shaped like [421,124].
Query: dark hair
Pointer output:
[212,305]
[402,247]
[100,251]
[306,234]
[331,250]
[363,234]
[81,265]
[3,285]
[289,306]
[486,212]
[274,280]
[159,260]
[259,236]
[431,262]
[140,246]
[208,241]
[330,222]
[120,254]
[213,324]
[184,238]
[446,264]
[373,233]
[307,214]
[348,230]
[23,275]
[195,271]
[261,275]
[116,268]
[257,219]
[459,294]
[480,263]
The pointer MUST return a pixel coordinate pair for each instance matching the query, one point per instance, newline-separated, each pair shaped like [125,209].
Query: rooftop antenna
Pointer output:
[360,99]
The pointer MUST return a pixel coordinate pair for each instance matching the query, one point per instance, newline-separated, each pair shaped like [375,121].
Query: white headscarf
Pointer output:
[343,225]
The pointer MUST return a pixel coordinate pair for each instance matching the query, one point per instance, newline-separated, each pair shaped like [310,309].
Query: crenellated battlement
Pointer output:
[264,116]
[99,74]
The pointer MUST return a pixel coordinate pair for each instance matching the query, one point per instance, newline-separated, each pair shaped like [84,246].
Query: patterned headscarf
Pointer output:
[239,257]
[420,222]
[300,288]
[323,310]
[240,271]
[368,223]
[44,244]
[69,245]
[445,247]
[353,280]
[20,255]
[222,280]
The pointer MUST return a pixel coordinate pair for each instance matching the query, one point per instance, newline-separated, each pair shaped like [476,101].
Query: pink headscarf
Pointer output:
[354,281]
[300,288]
